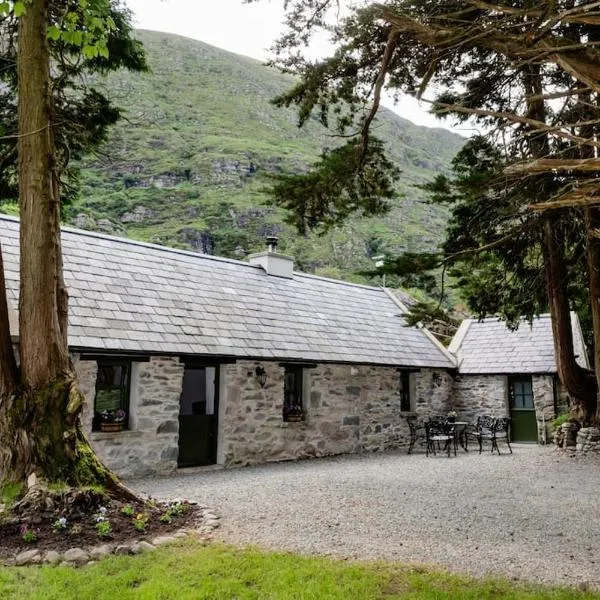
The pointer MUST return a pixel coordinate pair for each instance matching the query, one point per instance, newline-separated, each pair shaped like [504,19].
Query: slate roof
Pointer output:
[137,297]
[489,347]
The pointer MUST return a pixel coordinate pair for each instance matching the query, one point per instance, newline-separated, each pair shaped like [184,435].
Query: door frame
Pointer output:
[511,379]
[214,441]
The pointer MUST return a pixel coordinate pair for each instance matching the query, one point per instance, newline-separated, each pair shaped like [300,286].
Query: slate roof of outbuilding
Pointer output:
[136,297]
[490,347]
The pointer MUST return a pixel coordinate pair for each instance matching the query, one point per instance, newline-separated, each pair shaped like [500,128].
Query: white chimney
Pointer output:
[272,262]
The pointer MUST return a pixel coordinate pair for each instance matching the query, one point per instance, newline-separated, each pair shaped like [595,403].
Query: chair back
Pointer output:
[485,423]
[438,427]
[502,425]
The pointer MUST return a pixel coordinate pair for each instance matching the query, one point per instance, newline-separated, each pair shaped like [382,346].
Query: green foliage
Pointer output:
[140,522]
[561,420]
[85,37]
[190,571]
[345,181]
[28,534]
[11,492]
[128,510]
[103,528]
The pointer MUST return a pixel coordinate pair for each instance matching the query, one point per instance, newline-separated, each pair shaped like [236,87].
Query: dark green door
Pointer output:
[523,424]
[198,411]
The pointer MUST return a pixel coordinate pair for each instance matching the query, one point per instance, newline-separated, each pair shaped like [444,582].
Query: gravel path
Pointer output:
[533,515]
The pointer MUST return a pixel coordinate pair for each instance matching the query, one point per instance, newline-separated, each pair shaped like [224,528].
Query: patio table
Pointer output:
[460,432]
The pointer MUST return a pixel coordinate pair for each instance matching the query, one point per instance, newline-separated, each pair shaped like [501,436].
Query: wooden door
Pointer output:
[198,416]
[522,410]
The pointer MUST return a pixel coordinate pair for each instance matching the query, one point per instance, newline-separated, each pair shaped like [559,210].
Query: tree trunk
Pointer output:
[44,354]
[39,422]
[577,381]
[593,260]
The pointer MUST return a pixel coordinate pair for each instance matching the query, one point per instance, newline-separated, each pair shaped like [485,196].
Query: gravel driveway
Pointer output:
[533,515]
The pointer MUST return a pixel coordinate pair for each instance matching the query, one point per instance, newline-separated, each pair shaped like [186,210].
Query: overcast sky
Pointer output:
[245,29]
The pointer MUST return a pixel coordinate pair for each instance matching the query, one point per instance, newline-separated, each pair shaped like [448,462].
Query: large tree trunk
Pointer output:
[577,381]
[44,354]
[39,422]
[593,260]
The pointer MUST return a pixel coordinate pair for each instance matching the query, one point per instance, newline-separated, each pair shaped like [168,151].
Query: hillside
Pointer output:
[187,165]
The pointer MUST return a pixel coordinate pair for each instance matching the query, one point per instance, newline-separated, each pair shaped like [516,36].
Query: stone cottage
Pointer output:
[511,373]
[187,359]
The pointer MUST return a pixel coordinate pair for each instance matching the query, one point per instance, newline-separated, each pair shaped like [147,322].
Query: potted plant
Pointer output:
[293,413]
[452,416]
[112,420]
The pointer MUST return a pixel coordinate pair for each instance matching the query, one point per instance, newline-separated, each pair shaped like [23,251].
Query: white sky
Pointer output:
[247,29]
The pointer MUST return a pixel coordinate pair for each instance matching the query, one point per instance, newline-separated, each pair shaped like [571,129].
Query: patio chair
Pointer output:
[491,429]
[438,432]
[417,430]
[501,432]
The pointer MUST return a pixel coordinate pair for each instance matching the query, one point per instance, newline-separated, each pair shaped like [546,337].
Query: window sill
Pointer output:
[409,413]
[98,436]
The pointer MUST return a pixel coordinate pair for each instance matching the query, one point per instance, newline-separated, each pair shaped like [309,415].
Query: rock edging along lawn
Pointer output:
[77,556]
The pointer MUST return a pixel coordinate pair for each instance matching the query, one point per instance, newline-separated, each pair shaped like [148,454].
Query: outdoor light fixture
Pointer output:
[437,379]
[261,376]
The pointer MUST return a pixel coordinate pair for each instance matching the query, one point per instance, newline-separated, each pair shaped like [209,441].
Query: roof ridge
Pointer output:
[133,242]
[363,286]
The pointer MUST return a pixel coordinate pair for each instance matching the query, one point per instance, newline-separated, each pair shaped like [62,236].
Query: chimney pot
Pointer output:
[272,243]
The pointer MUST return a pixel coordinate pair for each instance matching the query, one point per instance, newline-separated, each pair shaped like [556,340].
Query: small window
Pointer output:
[292,394]
[405,404]
[111,402]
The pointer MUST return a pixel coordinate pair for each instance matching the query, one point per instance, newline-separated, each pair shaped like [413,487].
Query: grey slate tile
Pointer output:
[139,297]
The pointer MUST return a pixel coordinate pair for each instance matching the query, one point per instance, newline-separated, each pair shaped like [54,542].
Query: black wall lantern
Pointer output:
[437,379]
[261,376]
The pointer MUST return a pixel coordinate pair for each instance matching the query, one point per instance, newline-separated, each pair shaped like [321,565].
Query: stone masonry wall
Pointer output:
[151,444]
[588,440]
[544,402]
[348,409]
[475,395]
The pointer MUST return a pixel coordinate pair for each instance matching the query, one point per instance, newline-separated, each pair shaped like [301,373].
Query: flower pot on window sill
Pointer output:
[111,427]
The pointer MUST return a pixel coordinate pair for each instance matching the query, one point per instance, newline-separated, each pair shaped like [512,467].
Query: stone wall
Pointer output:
[151,443]
[348,409]
[544,402]
[588,440]
[475,395]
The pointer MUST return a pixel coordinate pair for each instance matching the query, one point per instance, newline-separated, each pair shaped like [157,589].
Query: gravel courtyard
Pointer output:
[533,515]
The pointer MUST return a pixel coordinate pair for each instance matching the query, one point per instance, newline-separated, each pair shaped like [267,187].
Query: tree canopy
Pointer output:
[525,225]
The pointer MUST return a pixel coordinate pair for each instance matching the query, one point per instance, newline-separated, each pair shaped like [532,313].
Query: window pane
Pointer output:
[108,400]
[405,405]
[112,394]
[292,392]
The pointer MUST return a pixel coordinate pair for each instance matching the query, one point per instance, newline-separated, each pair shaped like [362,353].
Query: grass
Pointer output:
[190,570]
[10,493]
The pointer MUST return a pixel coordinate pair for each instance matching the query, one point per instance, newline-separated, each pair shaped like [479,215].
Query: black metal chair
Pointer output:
[492,429]
[417,430]
[438,432]
[501,432]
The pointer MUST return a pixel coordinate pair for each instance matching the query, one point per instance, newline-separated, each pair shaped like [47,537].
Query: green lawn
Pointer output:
[190,570]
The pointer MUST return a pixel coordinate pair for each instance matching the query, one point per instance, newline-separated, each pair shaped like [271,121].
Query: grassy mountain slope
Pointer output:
[187,164]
